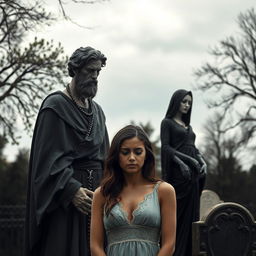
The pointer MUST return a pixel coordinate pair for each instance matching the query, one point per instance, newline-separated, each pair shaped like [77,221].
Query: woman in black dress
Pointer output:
[182,166]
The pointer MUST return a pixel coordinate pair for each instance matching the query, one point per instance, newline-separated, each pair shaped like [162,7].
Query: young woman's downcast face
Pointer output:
[132,155]
[185,104]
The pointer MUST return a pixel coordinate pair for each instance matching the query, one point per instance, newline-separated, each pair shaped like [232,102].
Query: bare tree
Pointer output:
[27,71]
[63,3]
[218,144]
[222,153]
[230,79]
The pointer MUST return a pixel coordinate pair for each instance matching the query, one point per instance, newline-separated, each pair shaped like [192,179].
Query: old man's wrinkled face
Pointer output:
[86,83]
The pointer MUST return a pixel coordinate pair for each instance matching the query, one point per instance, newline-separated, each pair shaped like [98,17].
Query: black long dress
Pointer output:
[175,137]
[65,155]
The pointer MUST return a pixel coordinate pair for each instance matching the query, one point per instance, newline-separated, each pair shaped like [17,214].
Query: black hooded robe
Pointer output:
[64,156]
[175,137]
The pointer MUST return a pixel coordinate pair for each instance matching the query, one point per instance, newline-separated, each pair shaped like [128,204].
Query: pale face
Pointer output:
[86,83]
[185,104]
[132,155]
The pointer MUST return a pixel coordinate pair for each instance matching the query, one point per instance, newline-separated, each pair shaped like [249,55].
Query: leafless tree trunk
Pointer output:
[27,71]
[230,80]
[222,154]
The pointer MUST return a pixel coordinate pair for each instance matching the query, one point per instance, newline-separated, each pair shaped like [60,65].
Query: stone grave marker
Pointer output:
[208,200]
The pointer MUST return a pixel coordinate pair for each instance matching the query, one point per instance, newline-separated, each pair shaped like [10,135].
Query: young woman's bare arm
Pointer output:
[97,226]
[167,201]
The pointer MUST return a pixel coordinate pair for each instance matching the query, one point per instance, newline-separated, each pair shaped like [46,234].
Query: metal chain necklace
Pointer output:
[79,107]
[90,115]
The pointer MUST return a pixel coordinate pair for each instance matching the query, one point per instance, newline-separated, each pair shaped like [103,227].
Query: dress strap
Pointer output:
[157,185]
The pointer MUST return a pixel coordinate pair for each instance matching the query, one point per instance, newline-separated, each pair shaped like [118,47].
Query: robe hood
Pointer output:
[174,105]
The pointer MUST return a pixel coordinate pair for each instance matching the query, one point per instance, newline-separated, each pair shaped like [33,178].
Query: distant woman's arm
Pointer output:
[169,153]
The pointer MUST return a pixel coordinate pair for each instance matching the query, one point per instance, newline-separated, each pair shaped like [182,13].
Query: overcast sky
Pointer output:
[152,47]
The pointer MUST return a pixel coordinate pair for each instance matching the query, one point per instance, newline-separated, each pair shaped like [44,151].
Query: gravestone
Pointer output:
[228,230]
[207,201]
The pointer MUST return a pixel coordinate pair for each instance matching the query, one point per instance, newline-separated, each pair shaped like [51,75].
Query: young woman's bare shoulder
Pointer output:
[165,189]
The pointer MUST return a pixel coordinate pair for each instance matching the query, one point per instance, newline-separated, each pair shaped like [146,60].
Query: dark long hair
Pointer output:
[113,181]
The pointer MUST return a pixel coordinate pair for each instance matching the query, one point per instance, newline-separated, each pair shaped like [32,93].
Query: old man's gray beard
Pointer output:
[86,90]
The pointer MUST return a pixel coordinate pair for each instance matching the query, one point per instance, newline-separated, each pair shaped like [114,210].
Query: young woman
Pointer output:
[182,166]
[132,207]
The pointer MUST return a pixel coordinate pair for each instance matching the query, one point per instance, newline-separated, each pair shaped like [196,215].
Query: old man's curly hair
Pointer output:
[82,56]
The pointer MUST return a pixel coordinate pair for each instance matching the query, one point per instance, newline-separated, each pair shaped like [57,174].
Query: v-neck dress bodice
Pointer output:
[141,235]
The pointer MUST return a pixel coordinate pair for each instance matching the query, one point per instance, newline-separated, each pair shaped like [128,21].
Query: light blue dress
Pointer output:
[140,236]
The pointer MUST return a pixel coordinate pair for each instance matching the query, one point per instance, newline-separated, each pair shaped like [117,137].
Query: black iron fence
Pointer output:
[11,230]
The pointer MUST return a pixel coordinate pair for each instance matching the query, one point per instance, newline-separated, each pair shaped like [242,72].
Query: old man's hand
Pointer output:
[83,200]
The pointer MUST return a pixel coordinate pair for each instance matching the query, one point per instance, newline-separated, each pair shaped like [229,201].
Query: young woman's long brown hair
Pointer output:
[113,181]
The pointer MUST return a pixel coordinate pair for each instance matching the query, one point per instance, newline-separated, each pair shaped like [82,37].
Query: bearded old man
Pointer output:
[69,145]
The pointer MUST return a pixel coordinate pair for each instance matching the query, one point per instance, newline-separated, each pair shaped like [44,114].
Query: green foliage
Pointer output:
[226,181]
[237,186]
[3,165]
[2,145]
[225,174]
[27,71]
[13,180]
